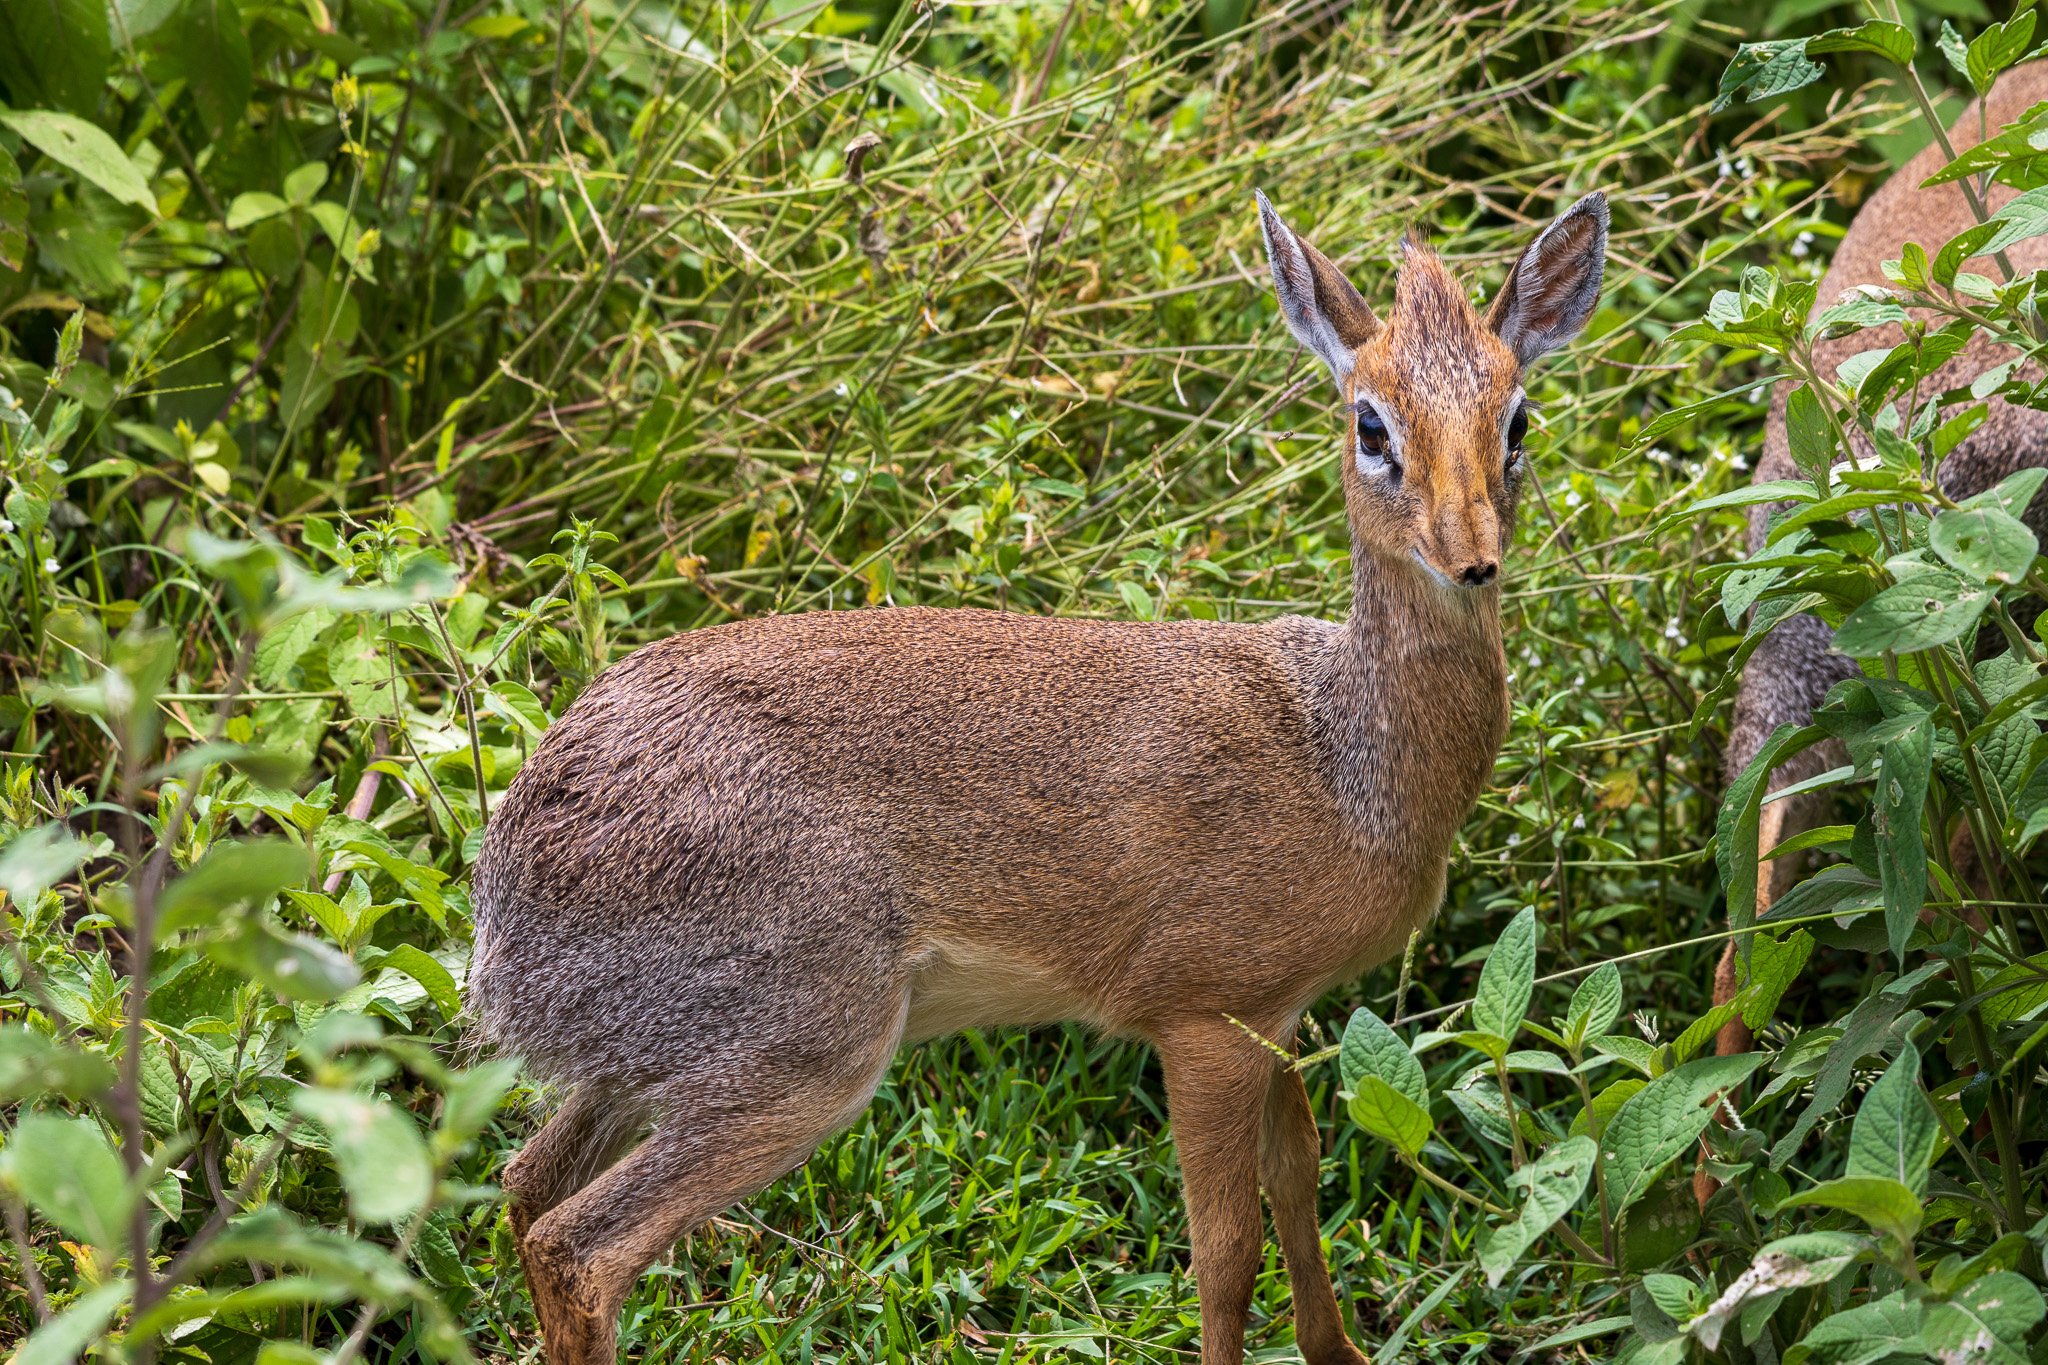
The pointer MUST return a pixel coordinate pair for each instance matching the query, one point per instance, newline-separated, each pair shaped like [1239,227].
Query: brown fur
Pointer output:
[751,861]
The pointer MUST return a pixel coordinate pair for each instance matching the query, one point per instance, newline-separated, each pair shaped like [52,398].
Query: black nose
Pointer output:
[1479,575]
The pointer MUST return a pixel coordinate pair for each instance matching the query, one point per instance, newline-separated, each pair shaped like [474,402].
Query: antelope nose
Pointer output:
[1479,575]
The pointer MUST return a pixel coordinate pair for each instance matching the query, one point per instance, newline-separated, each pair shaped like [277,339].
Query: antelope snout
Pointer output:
[1478,573]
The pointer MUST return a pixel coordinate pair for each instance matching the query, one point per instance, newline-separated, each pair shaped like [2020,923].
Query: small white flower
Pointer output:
[5,526]
[841,389]
[1579,821]
[1572,498]
[1514,839]
[50,566]
[1800,248]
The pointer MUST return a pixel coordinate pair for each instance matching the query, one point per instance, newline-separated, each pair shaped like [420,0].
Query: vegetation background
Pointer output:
[376,370]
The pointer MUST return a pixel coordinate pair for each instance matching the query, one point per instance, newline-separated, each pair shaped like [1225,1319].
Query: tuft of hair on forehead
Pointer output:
[1425,293]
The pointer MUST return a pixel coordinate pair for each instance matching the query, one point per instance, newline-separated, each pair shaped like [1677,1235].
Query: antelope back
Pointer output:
[1906,210]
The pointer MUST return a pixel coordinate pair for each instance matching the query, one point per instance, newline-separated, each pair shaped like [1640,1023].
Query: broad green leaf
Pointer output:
[1885,1204]
[1907,756]
[1646,1057]
[1663,1119]
[33,1064]
[1926,610]
[471,1098]
[1895,1129]
[1995,49]
[254,207]
[381,1156]
[1984,544]
[1546,1190]
[1774,964]
[433,978]
[2016,991]
[1735,835]
[13,214]
[66,1168]
[1596,1004]
[1372,1049]
[1389,1115]
[37,861]
[1887,40]
[239,873]
[214,52]
[79,146]
[64,1338]
[291,965]
[1593,1122]
[1760,71]
[1508,979]
[1794,1262]
[1986,1320]
[55,53]
[1861,1335]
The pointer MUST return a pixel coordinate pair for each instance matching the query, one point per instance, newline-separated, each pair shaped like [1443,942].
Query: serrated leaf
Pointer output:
[1907,755]
[1760,71]
[13,215]
[434,978]
[1663,1119]
[1546,1189]
[81,147]
[1508,979]
[1389,1115]
[1887,40]
[1795,1262]
[1370,1048]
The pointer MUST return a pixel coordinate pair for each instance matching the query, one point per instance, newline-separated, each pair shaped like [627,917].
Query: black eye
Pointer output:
[1518,430]
[1372,434]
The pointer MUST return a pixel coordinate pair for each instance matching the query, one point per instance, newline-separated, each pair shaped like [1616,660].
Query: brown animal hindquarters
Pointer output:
[1790,673]
[751,861]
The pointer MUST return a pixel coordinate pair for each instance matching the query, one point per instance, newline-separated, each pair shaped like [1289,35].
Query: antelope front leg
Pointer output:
[1216,1083]
[1290,1162]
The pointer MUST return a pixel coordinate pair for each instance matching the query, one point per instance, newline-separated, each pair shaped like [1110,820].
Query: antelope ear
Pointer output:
[1323,310]
[1555,286]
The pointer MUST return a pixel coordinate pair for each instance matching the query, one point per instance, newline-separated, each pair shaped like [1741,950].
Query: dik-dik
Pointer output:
[752,862]
[1791,671]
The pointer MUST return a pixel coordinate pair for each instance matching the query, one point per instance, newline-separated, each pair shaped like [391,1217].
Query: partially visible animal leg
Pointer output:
[1290,1164]
[589,1132]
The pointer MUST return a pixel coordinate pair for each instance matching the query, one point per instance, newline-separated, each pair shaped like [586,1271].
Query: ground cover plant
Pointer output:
[376,371]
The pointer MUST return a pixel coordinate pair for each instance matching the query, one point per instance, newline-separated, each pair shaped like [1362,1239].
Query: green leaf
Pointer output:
[55,52]
[254,207]
[1389,1115]
[432,976]
[68,1171]
[1895,1129]
[1508,978]
[214,52]
[292,965]
[471,1098]
[245,872]
[1907,757]
[1546,1189]
[1885,1204]
[1774,965]
[1887,40]
[381,1156]
[33,1064]
[1995,49]
[1863,1334]
[1795,1262]
[63,1339]
[37,861]
[1372,1049]
[79,146]
[1596,1004]
[1986,1320]
[1926,610]
[1663,1119]
[1760,71]
[1735,834]
[13,215]
[1984,544]
[1645,1057]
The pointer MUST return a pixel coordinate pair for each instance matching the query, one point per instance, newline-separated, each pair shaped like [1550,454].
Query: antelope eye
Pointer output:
[1372,433]
[1518,430]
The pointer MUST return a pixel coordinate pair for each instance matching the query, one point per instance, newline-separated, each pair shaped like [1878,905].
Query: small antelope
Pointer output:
[752,862]
[1791,671]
